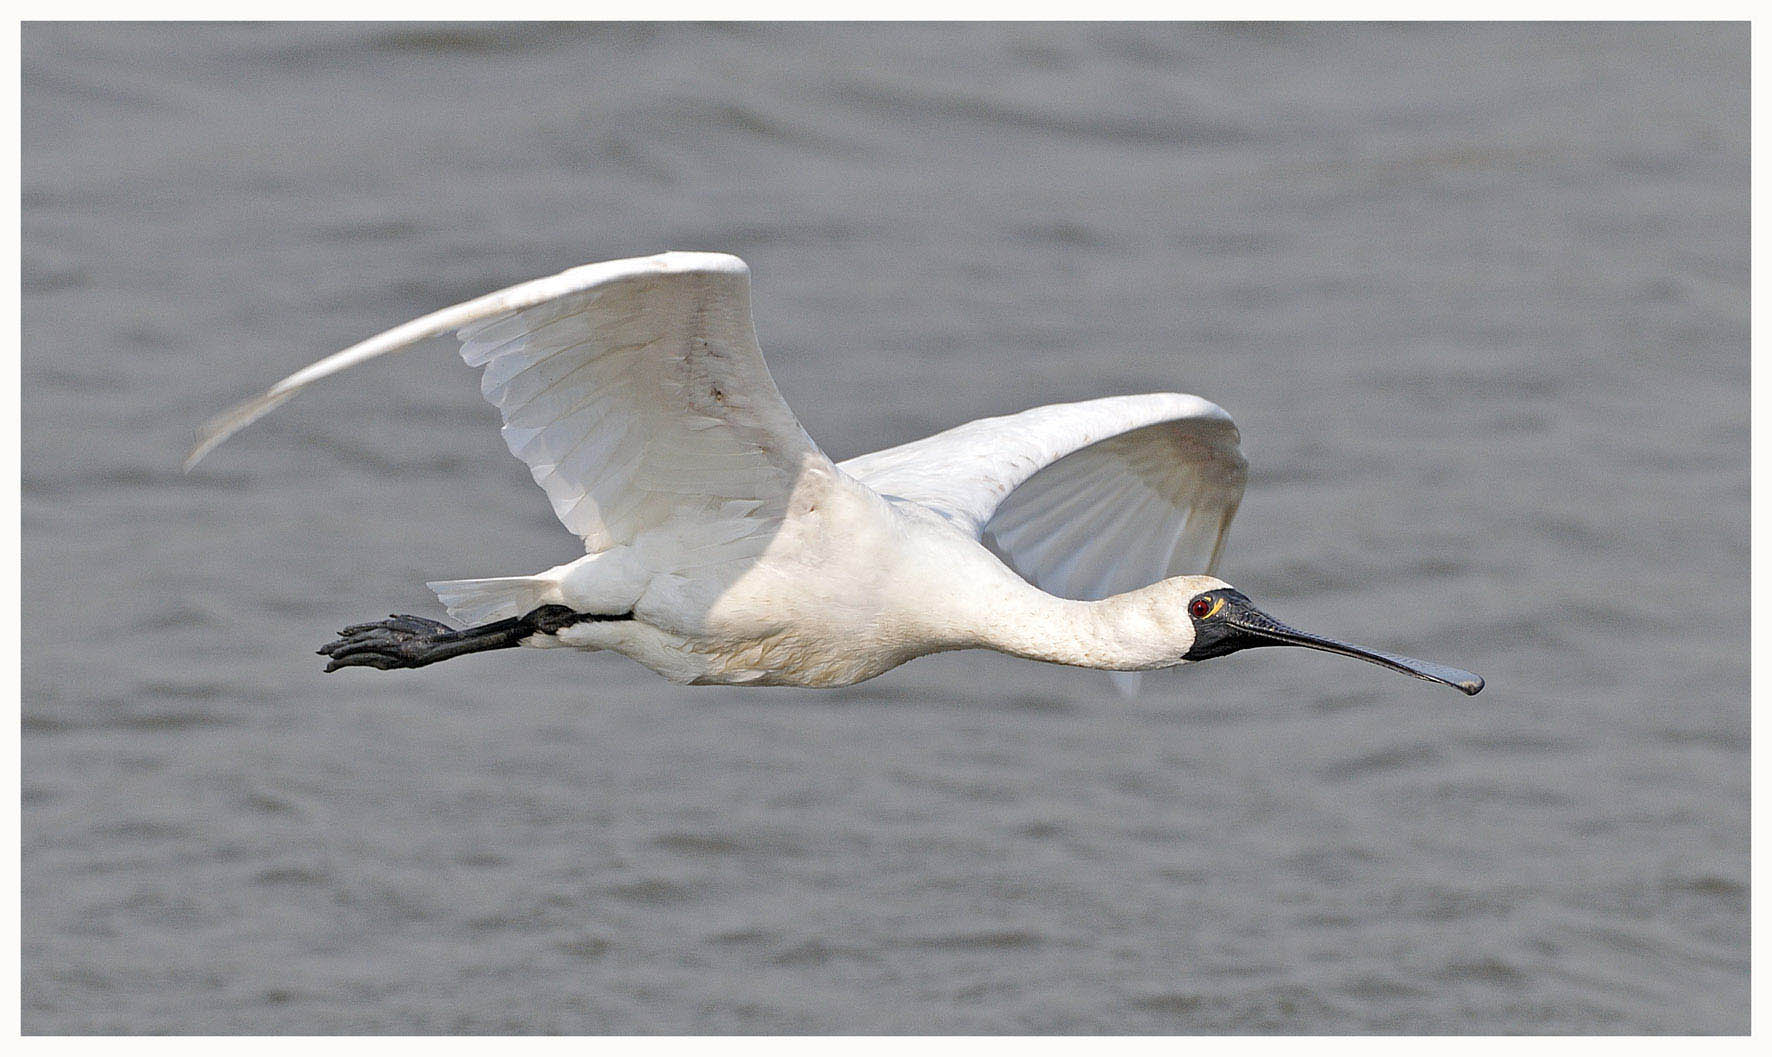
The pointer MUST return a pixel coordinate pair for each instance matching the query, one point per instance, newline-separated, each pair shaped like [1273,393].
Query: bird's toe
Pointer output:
[382,661]
[398,642]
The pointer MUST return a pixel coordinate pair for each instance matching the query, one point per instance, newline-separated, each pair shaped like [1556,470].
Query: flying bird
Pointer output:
[722,546]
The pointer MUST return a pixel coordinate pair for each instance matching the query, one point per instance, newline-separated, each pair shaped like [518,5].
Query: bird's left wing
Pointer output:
[1083,500]
[633,389]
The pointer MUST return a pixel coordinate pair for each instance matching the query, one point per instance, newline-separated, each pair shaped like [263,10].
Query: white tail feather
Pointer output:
[483,601]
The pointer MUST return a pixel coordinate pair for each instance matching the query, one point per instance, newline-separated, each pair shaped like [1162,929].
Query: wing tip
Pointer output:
[1127,683]
[232,421]
[585,276]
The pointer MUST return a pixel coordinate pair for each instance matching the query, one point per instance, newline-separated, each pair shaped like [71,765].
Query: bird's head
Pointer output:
[1216,618]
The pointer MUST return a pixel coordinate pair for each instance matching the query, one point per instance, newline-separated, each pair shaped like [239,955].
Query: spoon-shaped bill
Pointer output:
[1226,621]
[1254,622]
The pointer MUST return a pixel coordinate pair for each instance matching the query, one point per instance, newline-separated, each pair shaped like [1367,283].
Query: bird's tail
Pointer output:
[484,601]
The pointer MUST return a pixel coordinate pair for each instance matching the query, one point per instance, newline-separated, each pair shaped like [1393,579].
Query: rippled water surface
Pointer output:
[1477,297]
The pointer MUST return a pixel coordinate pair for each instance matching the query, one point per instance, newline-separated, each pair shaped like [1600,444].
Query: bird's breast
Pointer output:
[791,660]
[838,594]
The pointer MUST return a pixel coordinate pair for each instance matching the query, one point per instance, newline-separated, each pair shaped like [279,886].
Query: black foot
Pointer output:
[402,641]
[413,642]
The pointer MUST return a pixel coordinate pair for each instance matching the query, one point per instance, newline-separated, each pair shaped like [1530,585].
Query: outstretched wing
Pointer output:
[633,389]
[1084,500]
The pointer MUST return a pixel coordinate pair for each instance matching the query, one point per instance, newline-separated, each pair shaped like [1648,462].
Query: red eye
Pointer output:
[1201,606]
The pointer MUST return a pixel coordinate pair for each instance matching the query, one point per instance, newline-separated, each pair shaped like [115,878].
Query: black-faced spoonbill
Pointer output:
[724,547]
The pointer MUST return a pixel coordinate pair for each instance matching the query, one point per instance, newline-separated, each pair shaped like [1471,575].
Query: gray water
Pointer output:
[1477,297]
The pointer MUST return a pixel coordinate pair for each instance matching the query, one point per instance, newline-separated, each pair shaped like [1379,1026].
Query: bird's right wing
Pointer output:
[633,389]
[1083,500]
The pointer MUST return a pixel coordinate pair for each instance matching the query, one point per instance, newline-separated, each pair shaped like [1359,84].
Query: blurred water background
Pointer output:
[1477,296]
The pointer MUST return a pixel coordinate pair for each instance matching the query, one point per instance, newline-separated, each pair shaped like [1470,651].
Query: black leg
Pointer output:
[413,642]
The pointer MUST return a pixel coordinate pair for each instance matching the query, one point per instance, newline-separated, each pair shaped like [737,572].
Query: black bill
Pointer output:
[1235,624]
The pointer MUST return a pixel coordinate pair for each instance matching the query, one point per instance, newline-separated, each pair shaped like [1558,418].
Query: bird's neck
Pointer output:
[1115,634]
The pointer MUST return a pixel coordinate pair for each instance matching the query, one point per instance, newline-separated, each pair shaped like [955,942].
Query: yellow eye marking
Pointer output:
[1217,604]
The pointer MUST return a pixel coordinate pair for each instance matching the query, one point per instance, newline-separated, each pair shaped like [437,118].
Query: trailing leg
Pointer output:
[413,642]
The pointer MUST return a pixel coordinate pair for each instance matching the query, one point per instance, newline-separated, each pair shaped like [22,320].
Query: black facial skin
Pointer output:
[1227,622]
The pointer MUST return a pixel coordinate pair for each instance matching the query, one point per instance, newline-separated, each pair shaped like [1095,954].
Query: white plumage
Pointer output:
[722,546]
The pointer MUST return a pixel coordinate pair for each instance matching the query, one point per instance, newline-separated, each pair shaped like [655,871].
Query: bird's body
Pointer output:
[850,586]
[724,547]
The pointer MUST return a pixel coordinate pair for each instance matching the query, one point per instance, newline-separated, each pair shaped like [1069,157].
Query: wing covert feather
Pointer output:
[634,390]
[1084,500]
